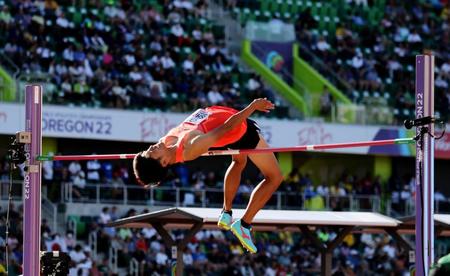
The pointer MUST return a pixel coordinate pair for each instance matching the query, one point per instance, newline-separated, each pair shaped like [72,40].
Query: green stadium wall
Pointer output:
[328,167]
[290,94]
[307,86]
[285,161]
[49,145]
[314,83]
[383,168]
[8,91]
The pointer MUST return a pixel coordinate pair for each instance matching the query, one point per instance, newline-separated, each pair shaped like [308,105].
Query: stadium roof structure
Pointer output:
[194,219]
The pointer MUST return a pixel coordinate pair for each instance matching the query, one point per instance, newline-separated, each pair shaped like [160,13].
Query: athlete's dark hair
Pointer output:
[148,171]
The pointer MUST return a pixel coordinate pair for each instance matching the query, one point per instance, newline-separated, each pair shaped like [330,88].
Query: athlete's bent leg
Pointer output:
[269,167]
[233,179]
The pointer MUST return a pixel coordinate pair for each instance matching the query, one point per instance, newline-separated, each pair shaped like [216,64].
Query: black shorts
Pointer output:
[249,140]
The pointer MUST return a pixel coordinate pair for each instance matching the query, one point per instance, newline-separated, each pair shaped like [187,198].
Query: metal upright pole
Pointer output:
[424,166]
[32,182]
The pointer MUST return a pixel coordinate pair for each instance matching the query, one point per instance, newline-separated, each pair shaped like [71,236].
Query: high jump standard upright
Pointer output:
[424,166]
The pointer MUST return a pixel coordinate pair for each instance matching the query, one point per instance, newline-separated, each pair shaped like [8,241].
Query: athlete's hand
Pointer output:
[262,104]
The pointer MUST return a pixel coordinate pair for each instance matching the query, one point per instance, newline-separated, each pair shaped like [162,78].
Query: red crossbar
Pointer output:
[242,151]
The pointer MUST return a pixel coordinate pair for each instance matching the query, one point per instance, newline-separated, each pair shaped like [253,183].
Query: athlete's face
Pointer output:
[159,152]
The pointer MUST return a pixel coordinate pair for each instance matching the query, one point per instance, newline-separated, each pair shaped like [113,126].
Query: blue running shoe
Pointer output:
[224,221]
[244,236]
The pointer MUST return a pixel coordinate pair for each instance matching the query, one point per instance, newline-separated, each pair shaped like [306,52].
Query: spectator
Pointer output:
[167,61]
[106,50]
[161,257]
[74,169]
[188,65]
[45,228]
[438,196]
[79,183]
[70,240]
[322,45]
[58,244]
[104,217]
[93,171]
[107,173]
[322,190]
[85,266]
[77,257]
[326,101]
[338,190]
[405,194]
[215,97]
[47,169]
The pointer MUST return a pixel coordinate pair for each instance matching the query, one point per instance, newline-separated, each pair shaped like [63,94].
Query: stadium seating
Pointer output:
[130,69]
[383,35]
[326,13]
[133,55]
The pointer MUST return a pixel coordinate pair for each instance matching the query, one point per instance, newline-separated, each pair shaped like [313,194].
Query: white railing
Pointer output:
[72,225]
[92,241]
[49,211]
[212,197]
[134,267]
[113,259]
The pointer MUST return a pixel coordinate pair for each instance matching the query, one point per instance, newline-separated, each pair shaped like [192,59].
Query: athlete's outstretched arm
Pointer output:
[201,143]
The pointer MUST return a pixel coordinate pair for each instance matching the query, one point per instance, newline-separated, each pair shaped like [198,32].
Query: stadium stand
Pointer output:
[370,44]
[167,55]
[211,251]
[132,55]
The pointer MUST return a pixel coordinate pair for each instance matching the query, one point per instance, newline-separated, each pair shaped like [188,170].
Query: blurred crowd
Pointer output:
[165,54]
[300,186]
[376,59]
[214,252]
[366,48]
[300,189]
[346,184]
[162,54]
[210,252]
